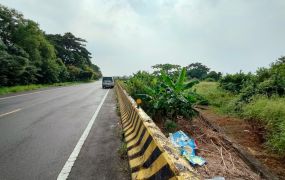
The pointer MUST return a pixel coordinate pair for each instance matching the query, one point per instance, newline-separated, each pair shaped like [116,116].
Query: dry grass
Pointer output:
[222,159]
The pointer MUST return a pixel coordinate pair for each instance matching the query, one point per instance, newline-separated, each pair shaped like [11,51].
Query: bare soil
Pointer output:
[250,135]
[222,159]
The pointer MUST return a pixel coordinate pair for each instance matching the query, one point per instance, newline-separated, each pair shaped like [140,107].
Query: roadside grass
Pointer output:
[268,111]
[221,100]
[22,88]
[123,152]
[271,112]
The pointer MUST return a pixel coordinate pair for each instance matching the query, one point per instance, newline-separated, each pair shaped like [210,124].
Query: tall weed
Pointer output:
[271,112]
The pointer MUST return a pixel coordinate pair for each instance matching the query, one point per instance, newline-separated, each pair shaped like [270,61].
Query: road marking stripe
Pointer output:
[8,97]
[40,91]
[1,115]
[63,175]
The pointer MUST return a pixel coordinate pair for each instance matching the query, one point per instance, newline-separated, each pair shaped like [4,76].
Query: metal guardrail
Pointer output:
[151,154]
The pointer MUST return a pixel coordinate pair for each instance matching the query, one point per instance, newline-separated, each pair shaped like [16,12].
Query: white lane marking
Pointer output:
[8,97]
[40,91]
[63,175]
[1,115]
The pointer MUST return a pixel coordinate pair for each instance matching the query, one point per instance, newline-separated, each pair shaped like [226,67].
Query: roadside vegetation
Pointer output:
[166,93]
[257,97]
[171,92]
[30,56]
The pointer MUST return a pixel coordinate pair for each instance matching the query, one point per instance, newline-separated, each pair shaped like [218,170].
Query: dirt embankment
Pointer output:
[250,136]
[218,139]
[222,160]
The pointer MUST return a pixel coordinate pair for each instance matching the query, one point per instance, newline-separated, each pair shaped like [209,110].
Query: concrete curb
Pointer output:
[151,154]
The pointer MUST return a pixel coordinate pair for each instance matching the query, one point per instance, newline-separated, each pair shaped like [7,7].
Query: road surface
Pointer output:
[40,130]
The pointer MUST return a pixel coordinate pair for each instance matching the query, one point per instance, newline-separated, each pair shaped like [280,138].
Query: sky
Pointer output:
[125,36]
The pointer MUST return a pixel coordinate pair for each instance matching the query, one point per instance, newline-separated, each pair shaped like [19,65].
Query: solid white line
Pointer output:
[63,175]
[8,97]
[1,115]
[40,91]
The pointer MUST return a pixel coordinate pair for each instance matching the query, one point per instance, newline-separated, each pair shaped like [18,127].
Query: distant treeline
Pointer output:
[30,56]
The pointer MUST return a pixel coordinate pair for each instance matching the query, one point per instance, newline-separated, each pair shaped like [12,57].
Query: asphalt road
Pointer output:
[39,131]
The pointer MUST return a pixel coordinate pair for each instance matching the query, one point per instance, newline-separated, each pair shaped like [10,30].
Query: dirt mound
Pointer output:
[222,160]
[250,135]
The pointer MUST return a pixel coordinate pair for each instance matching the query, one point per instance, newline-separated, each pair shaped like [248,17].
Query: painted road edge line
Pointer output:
[64,173]
[8,97]
[39,91]
[16,110]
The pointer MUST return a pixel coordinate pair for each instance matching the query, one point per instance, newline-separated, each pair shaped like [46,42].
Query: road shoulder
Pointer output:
[99,158]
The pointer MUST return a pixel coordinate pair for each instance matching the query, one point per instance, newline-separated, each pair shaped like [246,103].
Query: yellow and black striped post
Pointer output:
[151,155]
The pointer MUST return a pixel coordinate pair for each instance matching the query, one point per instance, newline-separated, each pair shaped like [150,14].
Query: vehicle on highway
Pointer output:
[108,82]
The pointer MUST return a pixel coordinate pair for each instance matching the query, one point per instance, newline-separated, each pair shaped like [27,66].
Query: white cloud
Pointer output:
[127,35]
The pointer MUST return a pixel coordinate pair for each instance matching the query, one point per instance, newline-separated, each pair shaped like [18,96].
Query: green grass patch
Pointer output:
[271,112]
[221,100]
[170,126]
[268,111]
[22,88]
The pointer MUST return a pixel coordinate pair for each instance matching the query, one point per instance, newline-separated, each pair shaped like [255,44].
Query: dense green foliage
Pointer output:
[169,69]
[193,71]
[267,81]
[28,55]
[170,126]
[197,70]
[163,97]
[215,95]
[258,97]
[202,72]
[167,93]
[271,112]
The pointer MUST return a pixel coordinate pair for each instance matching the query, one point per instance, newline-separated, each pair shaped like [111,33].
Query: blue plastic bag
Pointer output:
[187,147]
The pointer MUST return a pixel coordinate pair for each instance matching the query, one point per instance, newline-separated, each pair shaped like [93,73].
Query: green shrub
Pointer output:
[123,150]
[213,76]
[170,126]
[162,96]
[267,81]
[210,80]
[272,80]
[271,112]
[235,82]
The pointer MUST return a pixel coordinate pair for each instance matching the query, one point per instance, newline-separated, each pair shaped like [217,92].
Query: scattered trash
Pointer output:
[187,147]
[217,178]
[222,159]
[196,160]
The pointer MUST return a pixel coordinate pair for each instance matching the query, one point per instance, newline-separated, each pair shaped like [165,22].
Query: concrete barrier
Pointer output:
[151,155]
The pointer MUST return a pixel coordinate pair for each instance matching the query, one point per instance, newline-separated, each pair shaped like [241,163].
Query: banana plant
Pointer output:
[180,85]
[170,98]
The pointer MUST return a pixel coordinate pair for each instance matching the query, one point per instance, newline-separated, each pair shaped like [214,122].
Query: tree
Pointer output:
[272,80]
[41,52]
[15,65]
[214,75]
[197,70]
[97,71]
[10,19]
[169,69]
[74,73]
[15,69]
[27,55]
[71,50]
[236,82]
